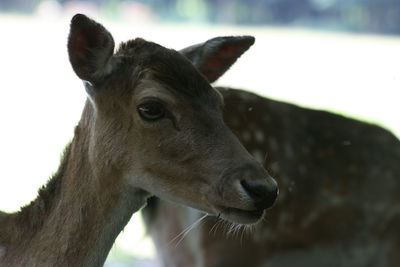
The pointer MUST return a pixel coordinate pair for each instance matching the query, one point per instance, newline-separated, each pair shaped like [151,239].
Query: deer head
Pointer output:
[154,119]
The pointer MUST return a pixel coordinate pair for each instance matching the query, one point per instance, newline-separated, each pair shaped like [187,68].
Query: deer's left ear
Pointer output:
[90,49]
[217,55]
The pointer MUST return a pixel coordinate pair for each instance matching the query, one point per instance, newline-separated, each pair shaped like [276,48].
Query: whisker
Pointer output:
[182,234]
[220,224]
[252,229]
[237,230]
[215,225]
[230,228]
[225,227]
[241,236]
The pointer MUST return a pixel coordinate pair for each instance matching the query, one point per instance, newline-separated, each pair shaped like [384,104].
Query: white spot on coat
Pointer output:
[259,136]
[346,143]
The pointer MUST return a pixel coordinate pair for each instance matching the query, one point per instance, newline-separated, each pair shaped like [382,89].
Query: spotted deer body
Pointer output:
[339,202]
[151,126]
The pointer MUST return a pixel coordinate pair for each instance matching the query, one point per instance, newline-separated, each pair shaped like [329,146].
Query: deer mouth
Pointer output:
[242,216]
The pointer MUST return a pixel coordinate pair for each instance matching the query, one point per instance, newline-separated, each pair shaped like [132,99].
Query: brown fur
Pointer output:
[118,158]
[339,202]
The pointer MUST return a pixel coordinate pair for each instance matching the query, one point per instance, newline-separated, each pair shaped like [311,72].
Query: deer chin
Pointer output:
[233,215]
[241,216]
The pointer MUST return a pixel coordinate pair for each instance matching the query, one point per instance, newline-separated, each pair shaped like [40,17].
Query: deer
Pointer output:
[151,126]
[339,201]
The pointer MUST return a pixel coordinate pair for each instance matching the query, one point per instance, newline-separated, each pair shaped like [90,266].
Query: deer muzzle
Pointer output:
[243,193]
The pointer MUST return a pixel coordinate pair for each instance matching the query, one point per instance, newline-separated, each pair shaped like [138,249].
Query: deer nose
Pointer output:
[262,191]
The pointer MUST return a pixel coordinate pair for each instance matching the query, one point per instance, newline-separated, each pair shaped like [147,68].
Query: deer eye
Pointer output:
[151,110]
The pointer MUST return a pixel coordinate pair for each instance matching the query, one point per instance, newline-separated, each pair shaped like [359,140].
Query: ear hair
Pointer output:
[90,49]
[214,57]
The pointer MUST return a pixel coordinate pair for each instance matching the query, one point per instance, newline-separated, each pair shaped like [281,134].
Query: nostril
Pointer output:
[253,189]
[263,195]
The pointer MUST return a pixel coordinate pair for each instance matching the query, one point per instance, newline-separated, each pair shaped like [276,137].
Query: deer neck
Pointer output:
[77,216]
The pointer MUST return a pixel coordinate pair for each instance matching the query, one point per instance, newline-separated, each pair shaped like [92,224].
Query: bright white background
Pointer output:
[41,98]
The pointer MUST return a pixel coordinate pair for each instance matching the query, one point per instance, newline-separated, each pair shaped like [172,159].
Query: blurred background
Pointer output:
[337,55]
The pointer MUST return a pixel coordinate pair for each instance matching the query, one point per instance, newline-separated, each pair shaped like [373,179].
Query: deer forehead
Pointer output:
[148,88]
[151,88]
[170,69]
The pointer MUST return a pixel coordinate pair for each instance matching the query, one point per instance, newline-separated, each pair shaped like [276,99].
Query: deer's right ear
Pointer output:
[217,55]
[90,48]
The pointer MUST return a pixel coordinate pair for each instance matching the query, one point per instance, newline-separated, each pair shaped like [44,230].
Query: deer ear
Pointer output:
[217,55]
[90,48]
